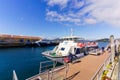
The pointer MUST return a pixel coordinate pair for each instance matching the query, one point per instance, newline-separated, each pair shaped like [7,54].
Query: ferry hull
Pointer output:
[58,59]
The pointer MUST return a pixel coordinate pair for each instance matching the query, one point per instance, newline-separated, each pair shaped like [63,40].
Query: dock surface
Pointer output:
[86,68]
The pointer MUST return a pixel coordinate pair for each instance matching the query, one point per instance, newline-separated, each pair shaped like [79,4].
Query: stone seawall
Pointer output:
[7,41]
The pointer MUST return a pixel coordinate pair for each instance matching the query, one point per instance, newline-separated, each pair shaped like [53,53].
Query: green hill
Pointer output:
[103,40]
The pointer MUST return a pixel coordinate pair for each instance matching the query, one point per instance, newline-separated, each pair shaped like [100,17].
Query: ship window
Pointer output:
[21,40]
[28,40]
[70,38]
[77,51]
[62,49]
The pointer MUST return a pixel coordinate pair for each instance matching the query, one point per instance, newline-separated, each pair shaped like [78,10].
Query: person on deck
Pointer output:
[71,57]
[103,49]
[119,49]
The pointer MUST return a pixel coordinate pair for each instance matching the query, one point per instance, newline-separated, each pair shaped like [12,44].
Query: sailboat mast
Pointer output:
[71,32]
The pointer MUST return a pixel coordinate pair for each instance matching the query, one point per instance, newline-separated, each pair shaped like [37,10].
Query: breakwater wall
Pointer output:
[7,41]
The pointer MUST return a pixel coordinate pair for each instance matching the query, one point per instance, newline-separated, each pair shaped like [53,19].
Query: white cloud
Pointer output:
[77,3]
[106,11]
[92,11]
[61,3]
[54,16]
[90,21]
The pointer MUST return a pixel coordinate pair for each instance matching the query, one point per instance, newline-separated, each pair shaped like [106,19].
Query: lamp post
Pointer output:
[112,47]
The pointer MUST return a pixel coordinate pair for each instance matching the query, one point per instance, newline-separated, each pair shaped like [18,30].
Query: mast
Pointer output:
[71,32]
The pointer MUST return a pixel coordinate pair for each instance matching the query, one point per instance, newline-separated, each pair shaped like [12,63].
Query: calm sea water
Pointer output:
[25,61]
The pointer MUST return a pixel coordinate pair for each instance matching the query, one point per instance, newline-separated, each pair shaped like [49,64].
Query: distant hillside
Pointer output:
[103,40]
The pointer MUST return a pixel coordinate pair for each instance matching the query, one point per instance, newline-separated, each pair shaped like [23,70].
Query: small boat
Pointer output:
[69,45]
[92,48]
[46,42]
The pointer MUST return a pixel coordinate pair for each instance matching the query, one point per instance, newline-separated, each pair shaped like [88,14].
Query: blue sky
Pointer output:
[91,19]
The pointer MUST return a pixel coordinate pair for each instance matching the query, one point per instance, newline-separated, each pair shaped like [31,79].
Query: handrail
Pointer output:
[97,72]
[100,68]
[41,67]
[119,67]
[47,71]
[36,75]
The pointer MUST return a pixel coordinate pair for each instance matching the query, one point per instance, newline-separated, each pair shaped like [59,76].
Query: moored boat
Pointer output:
[70,45]
[46,42]
[93,48]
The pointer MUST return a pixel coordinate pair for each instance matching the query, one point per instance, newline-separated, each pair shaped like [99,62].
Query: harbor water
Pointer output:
[25,61]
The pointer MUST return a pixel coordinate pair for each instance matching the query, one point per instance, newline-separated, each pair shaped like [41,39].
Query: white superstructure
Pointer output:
[65,48]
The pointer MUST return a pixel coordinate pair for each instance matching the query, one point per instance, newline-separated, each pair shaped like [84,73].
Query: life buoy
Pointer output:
[80,45]
[93,44]
[84,44]
[88,44]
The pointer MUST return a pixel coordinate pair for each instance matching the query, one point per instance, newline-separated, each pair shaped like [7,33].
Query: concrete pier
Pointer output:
[83,70]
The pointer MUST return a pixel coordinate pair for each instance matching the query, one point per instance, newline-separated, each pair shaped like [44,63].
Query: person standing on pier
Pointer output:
[117,44]
[119,49]
[103,50]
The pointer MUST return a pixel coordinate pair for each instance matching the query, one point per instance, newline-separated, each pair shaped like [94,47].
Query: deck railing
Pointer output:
[47,65]
[98,74]
[51,72]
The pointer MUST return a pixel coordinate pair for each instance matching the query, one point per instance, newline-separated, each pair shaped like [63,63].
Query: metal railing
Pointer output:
[47,65]
[98,74]
[51,72]
[119,67]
